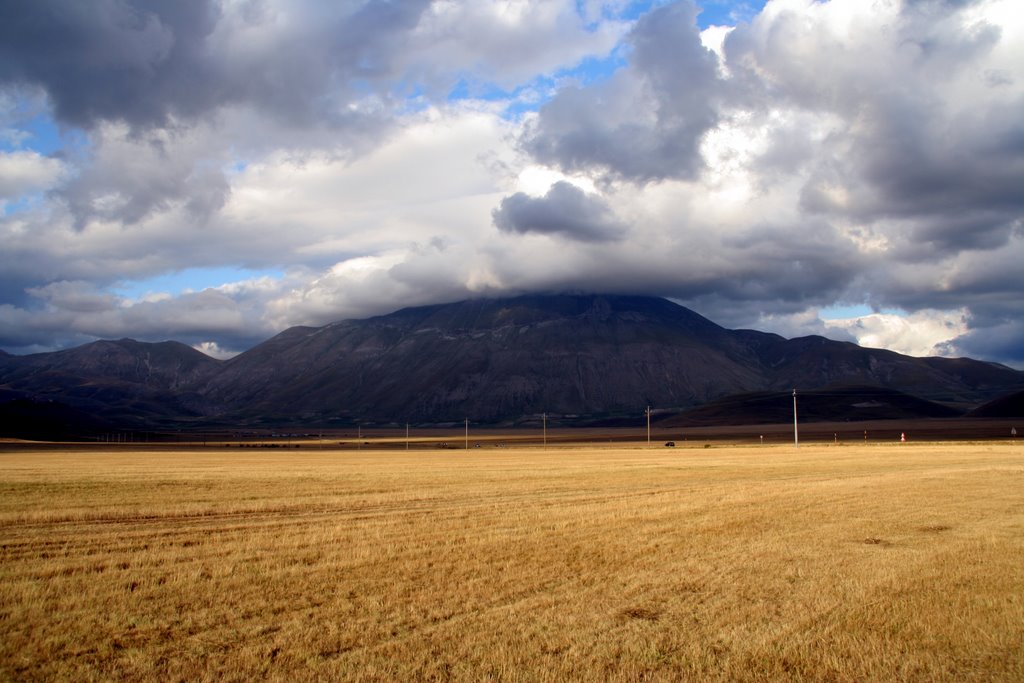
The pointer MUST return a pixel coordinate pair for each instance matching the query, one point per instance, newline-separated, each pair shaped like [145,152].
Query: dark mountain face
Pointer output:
[124,381]
[489,360]
[812,362]
[494,360]
[1004,406]
[834,404]
[165,365]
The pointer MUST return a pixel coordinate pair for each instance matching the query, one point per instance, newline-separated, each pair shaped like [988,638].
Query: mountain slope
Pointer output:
[834,404]
[1011,405]
[501,359]
[488,360]
[123,380]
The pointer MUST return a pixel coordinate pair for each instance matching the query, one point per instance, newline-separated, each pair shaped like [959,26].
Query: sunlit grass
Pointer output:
[589,563]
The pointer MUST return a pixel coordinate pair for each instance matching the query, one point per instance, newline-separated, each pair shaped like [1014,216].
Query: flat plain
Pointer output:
[588,562]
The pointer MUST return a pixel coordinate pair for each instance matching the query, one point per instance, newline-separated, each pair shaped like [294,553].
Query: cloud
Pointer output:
[299,62]
[131,176]
[214,350]
[151,64]
[646,122]
[504,44]
[24,171]
[905,143]
[1000,341]
[565,211]
[748,181]
[923,333]
[75,312]
[110,60]
[305,214]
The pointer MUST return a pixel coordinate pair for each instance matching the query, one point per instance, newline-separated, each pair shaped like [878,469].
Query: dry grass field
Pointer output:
[619,562]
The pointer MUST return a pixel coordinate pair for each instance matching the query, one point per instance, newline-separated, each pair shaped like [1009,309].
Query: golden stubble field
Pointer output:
[838,563]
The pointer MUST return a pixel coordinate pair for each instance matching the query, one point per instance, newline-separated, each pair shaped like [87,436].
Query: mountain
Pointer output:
[812,362]
[833,404]
[1004,406]
[488,360]
[495,360]
[124,381]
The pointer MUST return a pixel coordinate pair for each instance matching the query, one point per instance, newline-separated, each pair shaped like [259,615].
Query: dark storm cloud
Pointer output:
[311,72]
[996,308]
[565,211]
[148,63]
[646,123]
[999,340]
[797,264]
[168,70]
[914,168]
[110,60]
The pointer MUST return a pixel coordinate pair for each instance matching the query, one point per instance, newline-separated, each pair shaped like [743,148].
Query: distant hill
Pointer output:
[488,360]
[576,357]
[123,381]
[1004,406]
[837,404]
[494,360]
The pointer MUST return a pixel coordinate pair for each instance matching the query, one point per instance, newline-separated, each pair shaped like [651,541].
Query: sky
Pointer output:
[215,172]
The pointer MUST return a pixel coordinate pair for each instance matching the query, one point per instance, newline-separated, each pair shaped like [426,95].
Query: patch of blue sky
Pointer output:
[465,90]
[236,167]
[532,95]
[712,12]
[413,97]
[189,279]
[518,100]
[27,123]
[22,203]
[727,12]
[593,70]
[42,135]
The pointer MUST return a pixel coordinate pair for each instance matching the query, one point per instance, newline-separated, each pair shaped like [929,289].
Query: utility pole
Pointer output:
[544,417]
[467,433]
[648,425]
[796,436]
[406,436]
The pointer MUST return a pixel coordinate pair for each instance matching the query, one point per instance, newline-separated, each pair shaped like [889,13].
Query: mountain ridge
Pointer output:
[488,360]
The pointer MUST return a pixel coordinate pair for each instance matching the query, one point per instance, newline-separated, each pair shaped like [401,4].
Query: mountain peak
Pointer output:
[494,359]
[490,313]
[491,360]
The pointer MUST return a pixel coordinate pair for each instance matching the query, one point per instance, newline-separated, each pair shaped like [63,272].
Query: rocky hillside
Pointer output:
[500,359]
[489,360]
[123,381]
